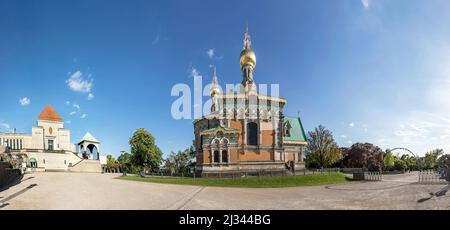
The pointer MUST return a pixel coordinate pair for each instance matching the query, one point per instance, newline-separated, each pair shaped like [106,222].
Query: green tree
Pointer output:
[431,158]
[125,161]
[179,162]
[444,162]
[322,149]
[399,164]
[388,159]
[411,162]
[111,163]
[144,151]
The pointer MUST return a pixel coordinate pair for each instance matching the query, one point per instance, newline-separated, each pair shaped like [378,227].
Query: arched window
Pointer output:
[252,133]
[33,163]
[216,156]
[287,132]
[224,156]
[287,129]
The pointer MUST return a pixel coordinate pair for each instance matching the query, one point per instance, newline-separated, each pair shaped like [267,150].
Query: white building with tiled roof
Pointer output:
[48,147]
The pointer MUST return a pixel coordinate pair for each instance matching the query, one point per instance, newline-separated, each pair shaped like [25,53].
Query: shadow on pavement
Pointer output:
[439,193]
[17,193]
[12,183]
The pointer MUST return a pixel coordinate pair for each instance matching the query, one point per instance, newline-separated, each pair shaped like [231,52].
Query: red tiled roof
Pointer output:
[49,114]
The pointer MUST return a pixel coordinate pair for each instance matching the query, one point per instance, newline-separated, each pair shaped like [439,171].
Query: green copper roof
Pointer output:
[297,131]
[220,128]
[88,137]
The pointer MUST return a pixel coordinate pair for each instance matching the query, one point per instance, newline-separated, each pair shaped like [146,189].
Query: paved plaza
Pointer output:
[58,190]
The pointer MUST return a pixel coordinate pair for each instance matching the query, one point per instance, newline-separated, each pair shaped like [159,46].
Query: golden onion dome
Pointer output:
[248,57]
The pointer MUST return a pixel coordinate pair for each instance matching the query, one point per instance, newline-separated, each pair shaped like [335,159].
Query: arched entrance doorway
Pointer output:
[92,149]
[32,162]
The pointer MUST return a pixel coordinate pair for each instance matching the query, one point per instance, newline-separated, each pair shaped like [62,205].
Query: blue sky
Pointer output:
[369,70]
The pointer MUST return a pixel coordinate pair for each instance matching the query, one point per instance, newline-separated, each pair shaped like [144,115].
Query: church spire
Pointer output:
[215,84]
[214,92]
[247,41]
[215,81]
[247,60]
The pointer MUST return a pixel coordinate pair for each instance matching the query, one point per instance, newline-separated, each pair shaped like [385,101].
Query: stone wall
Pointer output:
[93,166]
[53,160]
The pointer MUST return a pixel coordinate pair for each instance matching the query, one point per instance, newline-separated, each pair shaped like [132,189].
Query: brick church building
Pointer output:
[247,132]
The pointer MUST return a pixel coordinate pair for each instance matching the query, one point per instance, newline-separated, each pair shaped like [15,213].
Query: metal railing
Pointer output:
[373,176]
[433,177]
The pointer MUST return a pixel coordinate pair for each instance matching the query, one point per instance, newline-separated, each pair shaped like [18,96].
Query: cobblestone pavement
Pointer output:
[58,190]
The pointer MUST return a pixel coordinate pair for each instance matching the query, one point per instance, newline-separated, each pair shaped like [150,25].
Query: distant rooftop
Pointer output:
[88,137]
[49,114]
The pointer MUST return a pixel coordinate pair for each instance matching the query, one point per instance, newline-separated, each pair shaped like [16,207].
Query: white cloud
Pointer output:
[195,73]
[210,53]
[83,116]
[383,141]
[419,132]
[365,3]
[68,122]
[5,125]
[349,142]
[24,101]
[77,106]
[344,136]
[77,83]
[67,102]
[438,91]
[425,126]
[352,124]
[72,113]
[90,96]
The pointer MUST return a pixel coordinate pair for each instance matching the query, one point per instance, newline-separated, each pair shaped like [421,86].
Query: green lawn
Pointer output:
[250,182]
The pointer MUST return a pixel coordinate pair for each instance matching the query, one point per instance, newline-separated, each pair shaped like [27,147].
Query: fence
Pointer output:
[168,174]
[373,176]
[244,174]
[368,176]
[247,173]
[433,177]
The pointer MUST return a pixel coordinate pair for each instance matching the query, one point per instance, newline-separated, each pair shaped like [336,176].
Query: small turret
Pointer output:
[214,92]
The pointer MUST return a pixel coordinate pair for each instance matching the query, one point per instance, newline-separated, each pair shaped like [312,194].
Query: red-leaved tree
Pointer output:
[364,155]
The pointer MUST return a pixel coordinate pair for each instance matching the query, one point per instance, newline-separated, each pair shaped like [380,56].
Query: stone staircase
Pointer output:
[86,165]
